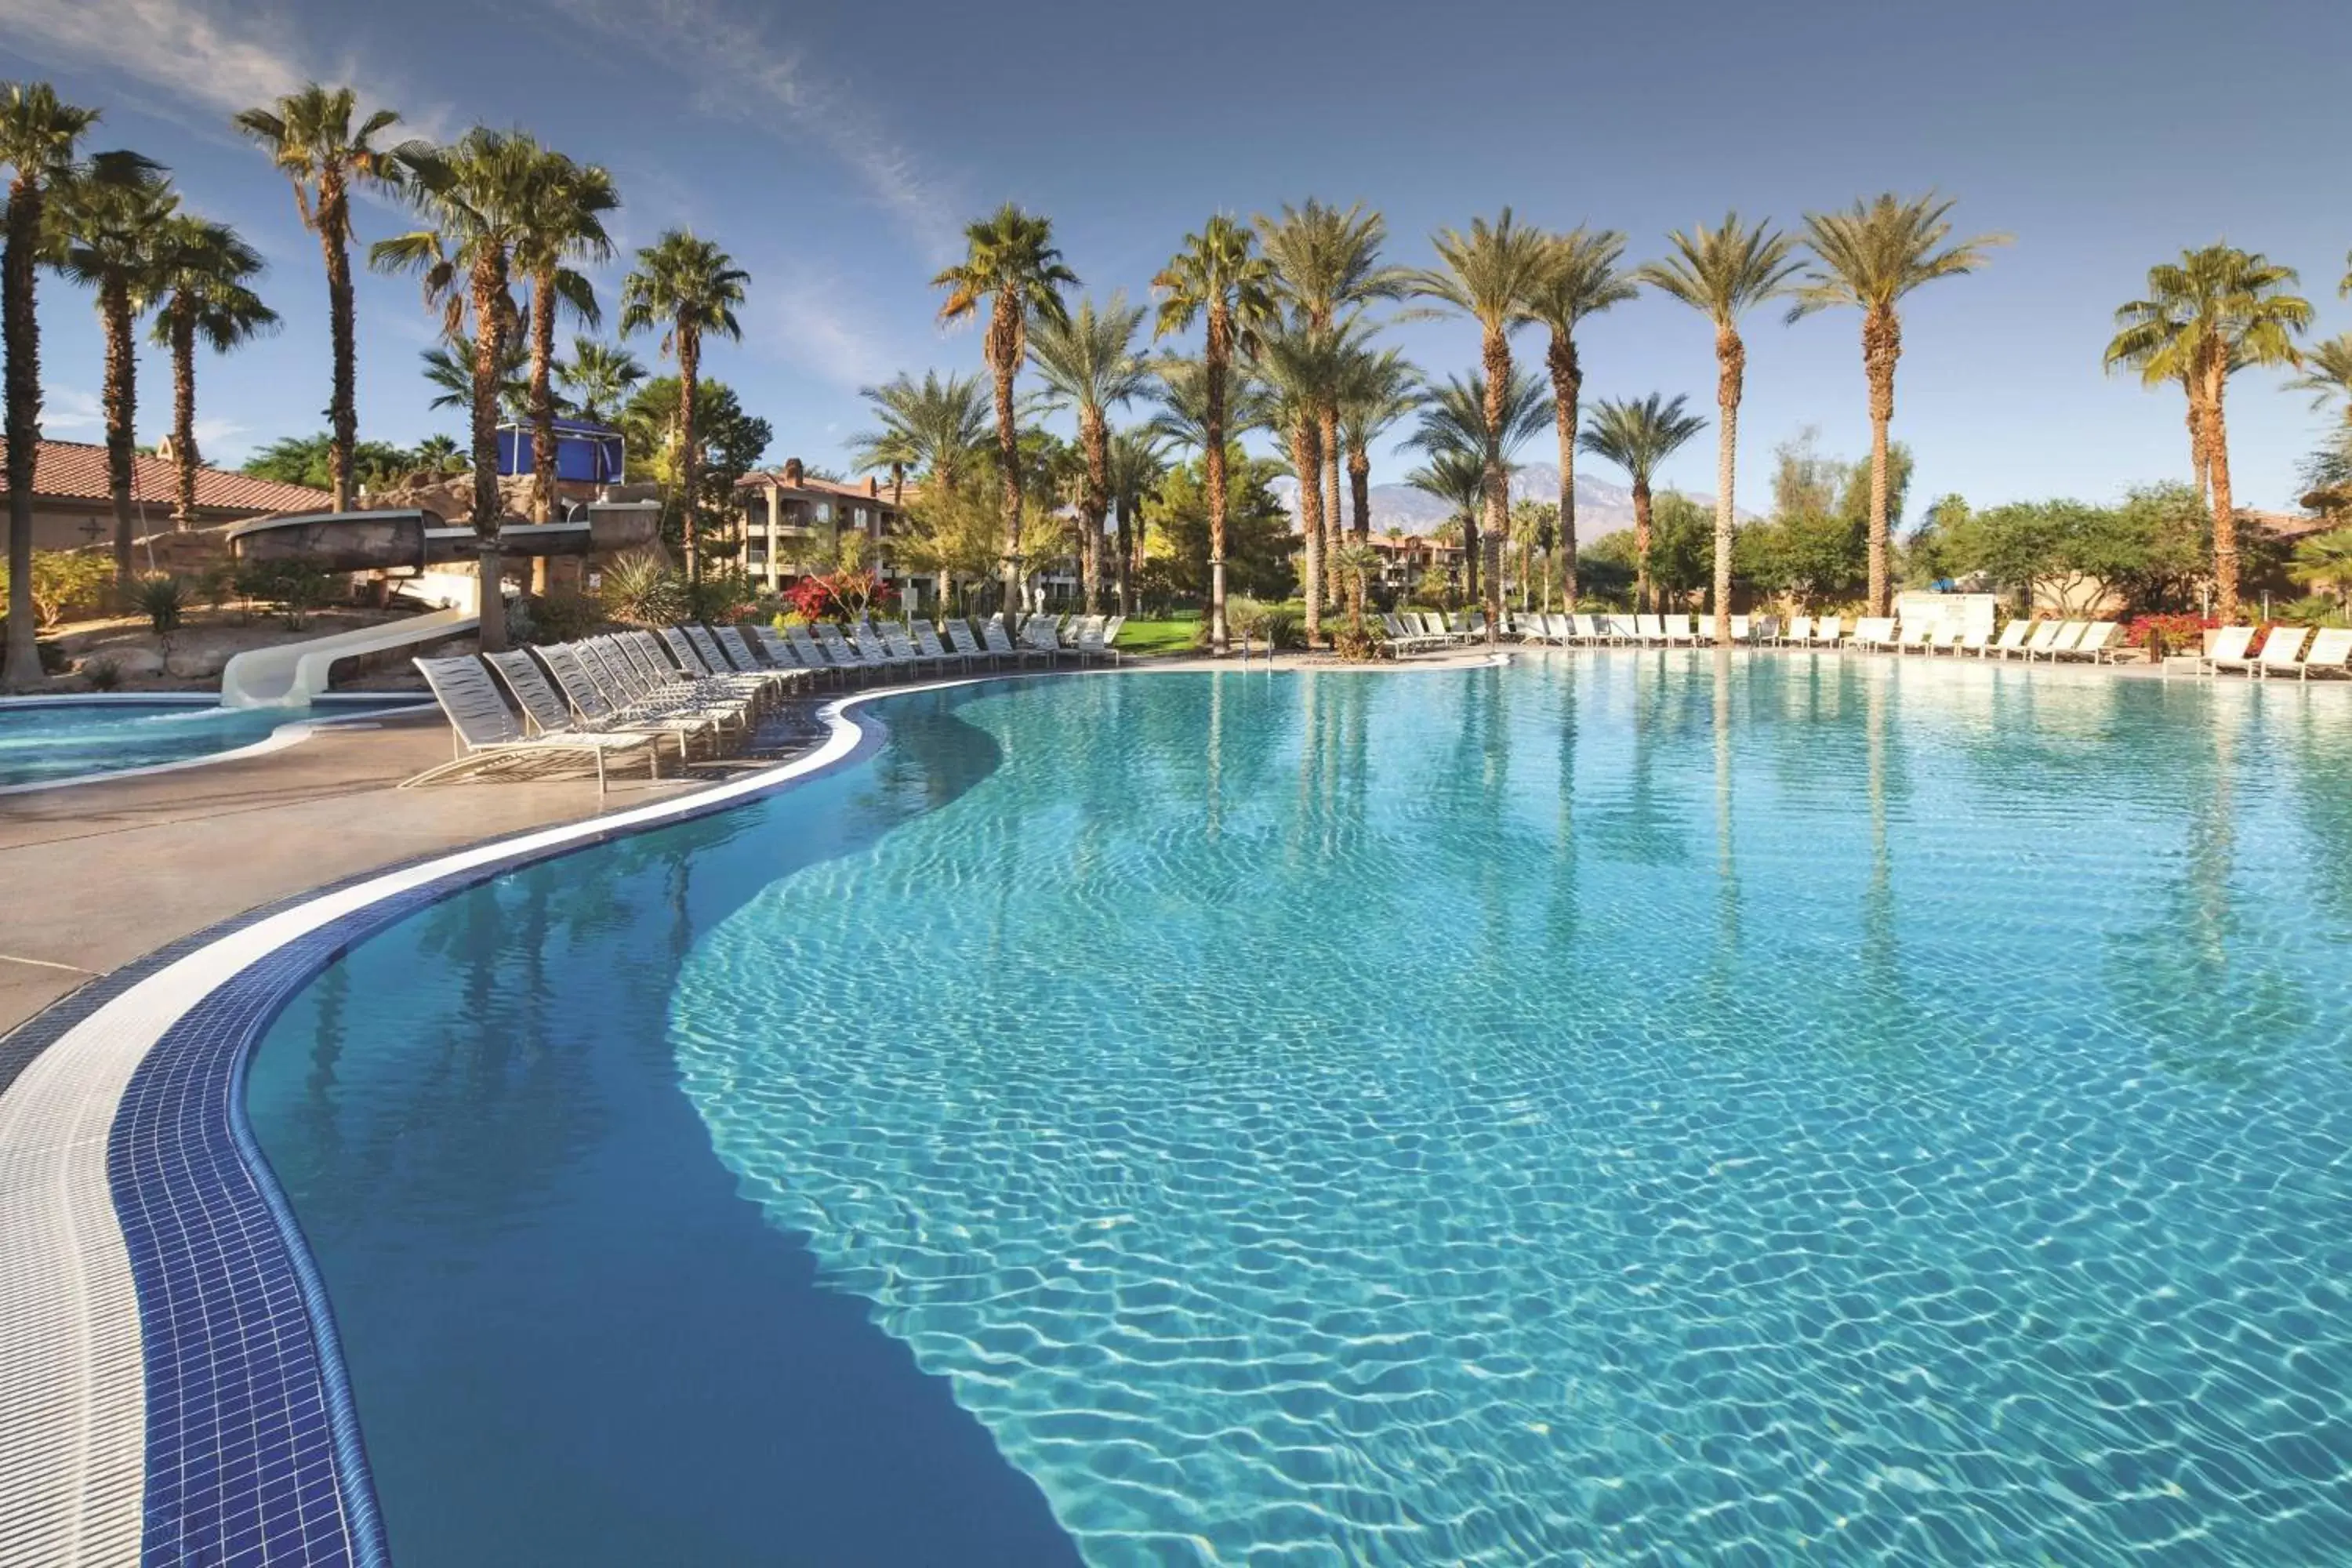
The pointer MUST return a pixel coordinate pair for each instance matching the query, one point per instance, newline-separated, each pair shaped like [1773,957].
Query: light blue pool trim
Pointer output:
[293,732]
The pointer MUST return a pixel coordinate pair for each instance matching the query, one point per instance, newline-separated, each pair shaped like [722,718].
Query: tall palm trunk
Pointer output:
[342,410]
[2198,464]
[1125,560]
[1095,435]
[2225,516]
[1359,484]
[184,416]
[1307,459]
[22,328]
[1215,358]
[1566,386]
[1641,542]
[120,396]
[543,411]
[1882,346]
[1005,345]
[690,447]
[1732,375]
[1333,587]
[488,286]
[1499,485]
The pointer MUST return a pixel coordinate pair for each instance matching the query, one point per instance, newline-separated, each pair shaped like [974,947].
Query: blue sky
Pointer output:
[836,151]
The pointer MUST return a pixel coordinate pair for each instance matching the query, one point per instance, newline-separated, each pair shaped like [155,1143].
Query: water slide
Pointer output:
[291,674]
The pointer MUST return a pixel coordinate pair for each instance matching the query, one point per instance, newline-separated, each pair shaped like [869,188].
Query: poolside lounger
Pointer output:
[2281,650]
[2229,650]
[960,638]
[1974,639]
[2012,639]
[1678,629]
[489,739]
[1919,636]
[1040,634]
[2330,654]
[875,648]
[1828,631]
[1873,632]
[900,646]
[927,638]
[2068,633]
[1433,626]
[1743,629]
[739,653]
[721,664]
[1091,640]
[844,652]
[1648,629]
[2044,638]
[1588,628]
[992,635]
[1111,628]
[1800,630]
[1403,638]
[780,652]
[664,679]
[601,682]
[812,657]
[2092,645]
[549,714]
[701,670]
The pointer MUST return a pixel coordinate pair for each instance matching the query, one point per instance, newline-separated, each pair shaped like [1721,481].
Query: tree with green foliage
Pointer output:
[1583,276]
[936,428]
[1139,461]
[310,460]
[1458,477]
[729,445]
[1722,273]
[688,288]
[1217,276]
[1011,267]
[1302,367]
[1378,391]
[2328,372]
[1869,257]
[1490,275]
[2215,311]
[1638,436]
[449,371]
[1089,362]
[2324,561]
[598,378]
[202,285]
[1178,515]
[311,136]
[562,229]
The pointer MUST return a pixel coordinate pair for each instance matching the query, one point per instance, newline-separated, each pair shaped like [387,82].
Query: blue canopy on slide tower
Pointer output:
[586,452]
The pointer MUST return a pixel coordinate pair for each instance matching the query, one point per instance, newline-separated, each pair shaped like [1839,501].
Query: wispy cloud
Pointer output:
[805,319]
[744,73]
[192,56]
[68,408]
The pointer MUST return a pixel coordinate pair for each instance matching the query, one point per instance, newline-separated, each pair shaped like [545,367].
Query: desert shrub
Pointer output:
[840,595]
[1356,644]
[562,614]
[103,674]
[65,580]
[291,589]
[161,598]
[722,598]
[642,588]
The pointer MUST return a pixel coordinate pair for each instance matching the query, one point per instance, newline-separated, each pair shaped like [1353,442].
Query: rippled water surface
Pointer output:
[63,740]
[1624,1109]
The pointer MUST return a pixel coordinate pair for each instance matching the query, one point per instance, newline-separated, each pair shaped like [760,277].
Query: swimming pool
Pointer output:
[1626,1107]
[43,741]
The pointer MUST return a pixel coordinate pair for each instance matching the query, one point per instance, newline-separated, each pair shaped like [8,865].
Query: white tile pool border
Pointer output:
[293,732]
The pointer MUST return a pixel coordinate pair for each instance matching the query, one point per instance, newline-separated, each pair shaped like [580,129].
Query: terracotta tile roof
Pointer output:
[76,470]
[811,485]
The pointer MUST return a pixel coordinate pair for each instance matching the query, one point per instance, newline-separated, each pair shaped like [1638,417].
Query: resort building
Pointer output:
[789,523]
[72,508]
[1406,558]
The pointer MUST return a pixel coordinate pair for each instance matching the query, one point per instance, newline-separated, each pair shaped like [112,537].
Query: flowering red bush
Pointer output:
[2180,632]
[842,596]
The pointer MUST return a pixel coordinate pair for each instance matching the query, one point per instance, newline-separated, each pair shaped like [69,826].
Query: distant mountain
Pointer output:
[1602,507]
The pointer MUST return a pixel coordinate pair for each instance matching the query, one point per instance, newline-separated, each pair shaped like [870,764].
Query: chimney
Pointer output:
[794,472]
[873,486]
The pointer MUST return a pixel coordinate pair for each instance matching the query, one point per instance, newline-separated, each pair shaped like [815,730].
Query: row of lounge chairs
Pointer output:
[2283,652]
[623,696]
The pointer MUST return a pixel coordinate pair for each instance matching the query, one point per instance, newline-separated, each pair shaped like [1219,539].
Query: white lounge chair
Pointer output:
[1828,631]
[548,713]
[2281,650]
[489,739]
[2068,634]
[2228,650]
[1873,632]
[2093,645]
[2330,654]
[1918,637]
[991,631]
[1968,640]
[2012,639]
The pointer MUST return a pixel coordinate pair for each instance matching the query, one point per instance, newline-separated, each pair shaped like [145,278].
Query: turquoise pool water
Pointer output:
[39,741]
[1624,1109]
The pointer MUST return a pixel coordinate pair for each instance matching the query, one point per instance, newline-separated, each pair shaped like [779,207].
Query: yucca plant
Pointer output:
[640,587]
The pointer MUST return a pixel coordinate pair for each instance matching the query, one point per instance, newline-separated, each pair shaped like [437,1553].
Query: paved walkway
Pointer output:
[102,874]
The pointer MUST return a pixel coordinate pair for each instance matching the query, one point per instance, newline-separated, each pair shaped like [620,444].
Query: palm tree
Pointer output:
[2213,312]
[1183,398]
[437,453]
[40,141]
[1216,274]
[108,231]
[2325,560]
[203,281]
[1489,275]
[2328,372]
[1869,257]
[1637,437]
[1458,477]
[934,428]
[1090,365]
[1301,367]
[1012,265]
[309,135]
[689,288]
[449,368]
[598,378]
[562,228]
[476,194]
[1377,391]
[1725,272]
[1473,419]
[1136,467]
[1583,278]
[1327,262]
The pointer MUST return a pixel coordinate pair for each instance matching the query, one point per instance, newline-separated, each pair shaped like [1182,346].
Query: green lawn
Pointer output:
[1145,639]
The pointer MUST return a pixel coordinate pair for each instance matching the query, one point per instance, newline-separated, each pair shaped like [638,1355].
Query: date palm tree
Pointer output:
[598,378]
[1302,367]
[1380,389]
[1089,364]
[1469,417]
[2328,372]
[475,193]
[1327,263]
[1489,274]
[40,142]
[1724,273]
[1583,278]
[2213,312]
[1457,478]
[1217,275]
[1637,437]
[562,229]
[935,427]
[203,283]
[1869,257]
[311,136]
[689,288]
[1182,394]
[1138,464]
[108,234]
[1012,266]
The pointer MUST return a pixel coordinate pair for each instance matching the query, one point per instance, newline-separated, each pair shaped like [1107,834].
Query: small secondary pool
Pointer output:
[44,741]
[1625,1110]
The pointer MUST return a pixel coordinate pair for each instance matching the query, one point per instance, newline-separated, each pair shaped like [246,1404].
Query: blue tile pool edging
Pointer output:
[185,1173]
